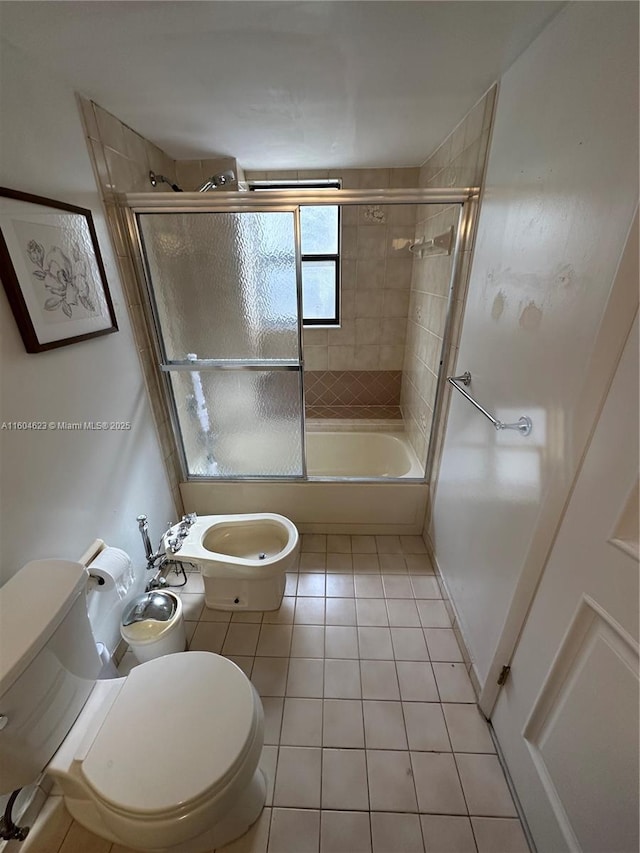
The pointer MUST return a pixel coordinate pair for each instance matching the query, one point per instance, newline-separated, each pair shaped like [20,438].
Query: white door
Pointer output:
[567,718]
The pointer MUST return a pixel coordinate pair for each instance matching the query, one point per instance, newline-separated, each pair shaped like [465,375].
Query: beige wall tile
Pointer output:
[89,118]
[189,174]
[341,357]
[135,147]
[110,128]
[316,358]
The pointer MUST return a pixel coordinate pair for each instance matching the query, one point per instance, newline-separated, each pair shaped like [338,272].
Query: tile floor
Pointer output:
[373,743]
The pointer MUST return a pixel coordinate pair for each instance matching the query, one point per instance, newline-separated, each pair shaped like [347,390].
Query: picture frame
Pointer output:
[52,271]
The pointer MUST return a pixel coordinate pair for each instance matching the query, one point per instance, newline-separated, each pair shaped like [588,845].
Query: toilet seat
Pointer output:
[146,760]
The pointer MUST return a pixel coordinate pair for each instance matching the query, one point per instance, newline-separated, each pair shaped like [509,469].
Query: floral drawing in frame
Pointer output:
[52,271]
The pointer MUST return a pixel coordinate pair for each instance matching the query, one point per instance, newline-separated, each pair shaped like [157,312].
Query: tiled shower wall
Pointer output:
[376,270]
[121,160]
[459,161]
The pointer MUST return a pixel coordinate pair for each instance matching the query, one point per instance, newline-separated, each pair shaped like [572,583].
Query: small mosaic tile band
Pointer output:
[354,412]
[353,388]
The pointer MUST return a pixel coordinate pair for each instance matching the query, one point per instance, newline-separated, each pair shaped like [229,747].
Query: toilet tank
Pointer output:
[48,665]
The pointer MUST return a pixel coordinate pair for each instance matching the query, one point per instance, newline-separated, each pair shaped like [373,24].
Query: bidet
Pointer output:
[243,558]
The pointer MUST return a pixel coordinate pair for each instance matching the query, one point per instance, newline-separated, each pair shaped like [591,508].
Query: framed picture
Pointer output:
[51,269]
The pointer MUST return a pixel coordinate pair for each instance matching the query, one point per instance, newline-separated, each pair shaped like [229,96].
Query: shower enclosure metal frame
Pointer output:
[288,201]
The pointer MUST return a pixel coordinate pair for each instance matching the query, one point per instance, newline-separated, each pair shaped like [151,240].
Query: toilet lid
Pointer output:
[179,728]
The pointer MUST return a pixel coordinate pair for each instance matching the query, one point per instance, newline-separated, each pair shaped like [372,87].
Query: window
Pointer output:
[320,254]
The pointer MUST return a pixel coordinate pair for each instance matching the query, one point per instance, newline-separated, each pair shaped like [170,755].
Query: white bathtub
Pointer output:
[360,454]
[395,503]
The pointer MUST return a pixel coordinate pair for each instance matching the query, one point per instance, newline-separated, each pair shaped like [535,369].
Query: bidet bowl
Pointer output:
[242,558]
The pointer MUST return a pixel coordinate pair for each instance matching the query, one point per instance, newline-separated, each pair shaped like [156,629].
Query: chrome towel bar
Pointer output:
[523,426]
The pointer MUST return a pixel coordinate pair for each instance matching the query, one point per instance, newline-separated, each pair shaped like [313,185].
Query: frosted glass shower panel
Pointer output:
[243,423]
[224,284]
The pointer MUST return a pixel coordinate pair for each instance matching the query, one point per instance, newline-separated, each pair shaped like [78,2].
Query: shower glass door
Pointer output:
[225,294]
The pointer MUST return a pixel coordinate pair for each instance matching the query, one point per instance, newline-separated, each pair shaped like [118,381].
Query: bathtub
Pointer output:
[360,454]
[391,502]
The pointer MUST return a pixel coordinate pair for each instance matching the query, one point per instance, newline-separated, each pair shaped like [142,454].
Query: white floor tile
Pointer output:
[339,543]
[209,637]
[368,586]
[397,586]
[375,643]
[437,783]
[192,606]
[425,587]
[344,779]
[342,679]
[340,586]
[269,676]
[409,644]
[272,707]
[294,831]
[309,611]
[298,778]
[307,641]
[313,561]
[313,542]
[449,834]
[274,641]
[388,545]
[340,611]
[390,781]
[245,662]
[251,616]
[241,639]
[371,612]
[392,833]
[392,564]
[253,841]
[306,678]
[379,680]
[339,563]
[340,642]
[312,584]
[363,544]
[413,545]
[366,564]
[342,832]
[494,834]
[283,615]
[433,614]
[454,685]
[484,786]
[417,682]
[384,725]
[268,763]
[419,564]
[426,729]
[302,722]
[442,644]
[402,613]
[468,731]
[342,724]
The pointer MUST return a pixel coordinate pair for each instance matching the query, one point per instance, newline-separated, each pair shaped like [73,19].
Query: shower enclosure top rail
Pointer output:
[194,201]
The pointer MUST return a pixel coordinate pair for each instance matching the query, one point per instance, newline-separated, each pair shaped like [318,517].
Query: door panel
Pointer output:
[567,719]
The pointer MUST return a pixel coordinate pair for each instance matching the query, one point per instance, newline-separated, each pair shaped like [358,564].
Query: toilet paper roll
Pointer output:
[114,567]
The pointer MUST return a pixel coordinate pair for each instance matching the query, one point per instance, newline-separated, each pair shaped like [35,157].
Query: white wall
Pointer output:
[60,490]
[561,189]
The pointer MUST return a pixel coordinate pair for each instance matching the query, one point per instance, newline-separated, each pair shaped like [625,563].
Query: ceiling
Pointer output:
[297,85]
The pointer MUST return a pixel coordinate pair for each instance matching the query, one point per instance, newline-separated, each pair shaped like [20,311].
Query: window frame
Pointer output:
[332,184]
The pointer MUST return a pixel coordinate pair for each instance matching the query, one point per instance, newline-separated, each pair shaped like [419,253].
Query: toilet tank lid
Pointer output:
[32,605]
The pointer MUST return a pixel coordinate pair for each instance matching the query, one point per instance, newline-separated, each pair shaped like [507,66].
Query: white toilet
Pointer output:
[243,558]
[188,788]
